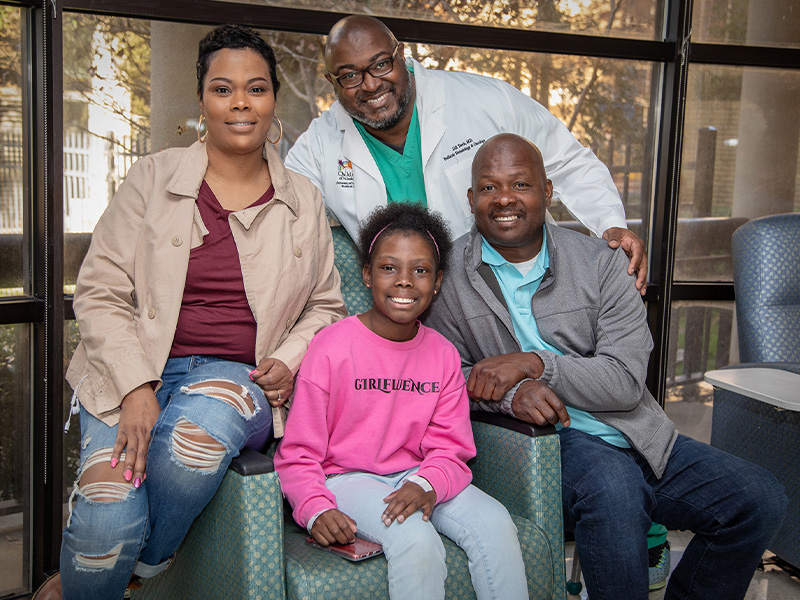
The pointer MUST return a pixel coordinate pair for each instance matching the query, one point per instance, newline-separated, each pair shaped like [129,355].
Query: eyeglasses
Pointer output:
[380,68]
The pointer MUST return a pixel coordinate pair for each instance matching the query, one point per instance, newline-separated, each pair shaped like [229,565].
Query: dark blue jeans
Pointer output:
[611,496]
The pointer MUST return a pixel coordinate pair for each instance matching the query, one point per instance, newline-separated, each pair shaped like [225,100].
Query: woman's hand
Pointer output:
[406,501]
[275,379]
[333,527]
[140,410]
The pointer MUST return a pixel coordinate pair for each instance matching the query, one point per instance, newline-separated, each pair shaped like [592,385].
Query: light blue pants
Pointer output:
[115,530]
[478,523]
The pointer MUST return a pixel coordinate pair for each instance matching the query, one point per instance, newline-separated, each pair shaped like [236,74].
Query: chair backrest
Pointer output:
[345,256]
[766,275]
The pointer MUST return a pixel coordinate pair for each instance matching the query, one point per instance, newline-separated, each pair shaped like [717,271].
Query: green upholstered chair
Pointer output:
[245,545]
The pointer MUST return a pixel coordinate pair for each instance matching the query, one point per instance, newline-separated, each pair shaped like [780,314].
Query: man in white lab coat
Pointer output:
[400,132]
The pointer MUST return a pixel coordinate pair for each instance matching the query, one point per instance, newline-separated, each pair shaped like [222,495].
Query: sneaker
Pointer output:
[659,562]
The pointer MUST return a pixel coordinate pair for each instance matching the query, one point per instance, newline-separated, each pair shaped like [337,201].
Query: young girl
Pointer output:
[379,435]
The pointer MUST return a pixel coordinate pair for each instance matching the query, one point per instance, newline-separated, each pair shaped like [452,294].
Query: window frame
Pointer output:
[46,308]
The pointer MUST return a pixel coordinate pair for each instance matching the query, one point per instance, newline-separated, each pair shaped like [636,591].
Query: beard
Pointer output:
[389,121]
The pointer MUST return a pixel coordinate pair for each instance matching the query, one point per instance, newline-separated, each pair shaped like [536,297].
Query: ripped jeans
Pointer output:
[115,530]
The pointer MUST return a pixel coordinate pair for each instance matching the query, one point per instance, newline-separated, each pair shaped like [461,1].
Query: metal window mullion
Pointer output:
[665,217]
[48,253]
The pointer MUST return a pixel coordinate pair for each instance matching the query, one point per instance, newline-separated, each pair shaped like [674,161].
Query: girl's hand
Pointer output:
[275,378]
[333,527]
[406,501]
[139,412]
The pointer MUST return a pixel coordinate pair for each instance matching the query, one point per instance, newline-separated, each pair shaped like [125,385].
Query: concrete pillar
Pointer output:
[173,83]
[769,122]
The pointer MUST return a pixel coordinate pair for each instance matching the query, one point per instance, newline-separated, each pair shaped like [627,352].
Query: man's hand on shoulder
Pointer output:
[536,403]
[634,249]
[491,378]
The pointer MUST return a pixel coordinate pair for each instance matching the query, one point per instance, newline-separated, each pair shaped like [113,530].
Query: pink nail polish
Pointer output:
[251,373]
[137,482]
[127,475]
[114,462]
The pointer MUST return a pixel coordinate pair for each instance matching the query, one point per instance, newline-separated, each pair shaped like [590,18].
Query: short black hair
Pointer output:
[405,217]
[234,37]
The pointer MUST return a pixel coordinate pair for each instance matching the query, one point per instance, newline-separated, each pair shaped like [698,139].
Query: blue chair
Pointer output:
[245,545]
[766,273]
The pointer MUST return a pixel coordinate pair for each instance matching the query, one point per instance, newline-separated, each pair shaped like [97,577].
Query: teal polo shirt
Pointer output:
[518,291]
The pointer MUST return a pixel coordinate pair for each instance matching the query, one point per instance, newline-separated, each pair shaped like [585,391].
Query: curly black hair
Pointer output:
[405,217]
[234,37]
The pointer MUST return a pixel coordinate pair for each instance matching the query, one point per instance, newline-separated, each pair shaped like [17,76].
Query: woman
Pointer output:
[209,260]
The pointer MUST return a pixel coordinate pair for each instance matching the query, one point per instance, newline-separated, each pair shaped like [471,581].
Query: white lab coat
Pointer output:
[457,113]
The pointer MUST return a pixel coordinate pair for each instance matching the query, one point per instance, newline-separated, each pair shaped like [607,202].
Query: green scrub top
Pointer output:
[401,171]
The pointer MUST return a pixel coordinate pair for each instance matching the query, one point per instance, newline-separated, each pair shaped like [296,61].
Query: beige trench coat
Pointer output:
[130,286]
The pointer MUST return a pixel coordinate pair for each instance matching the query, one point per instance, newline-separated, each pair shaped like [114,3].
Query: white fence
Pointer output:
[80,148]
[11,189]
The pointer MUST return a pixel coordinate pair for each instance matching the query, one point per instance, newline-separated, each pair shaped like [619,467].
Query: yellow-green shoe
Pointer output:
[659,564]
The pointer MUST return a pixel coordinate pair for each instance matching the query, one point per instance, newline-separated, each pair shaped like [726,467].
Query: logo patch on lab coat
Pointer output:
[344,174]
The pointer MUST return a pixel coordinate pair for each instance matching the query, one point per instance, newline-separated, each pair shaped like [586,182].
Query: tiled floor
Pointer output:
[773,583]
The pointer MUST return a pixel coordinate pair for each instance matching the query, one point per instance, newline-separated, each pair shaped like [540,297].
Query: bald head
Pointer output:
[353,30]
[509,196]
[358,47]
[504,145]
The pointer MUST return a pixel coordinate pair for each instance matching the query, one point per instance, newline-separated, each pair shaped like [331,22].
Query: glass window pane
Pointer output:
[747,22]
[106,119]
[12,181]
[132,87]
[635,19]
[740,161]
[15,399]
[701,338]
[605,103]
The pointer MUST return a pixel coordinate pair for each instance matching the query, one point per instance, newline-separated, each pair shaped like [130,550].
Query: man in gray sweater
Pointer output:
[551,331]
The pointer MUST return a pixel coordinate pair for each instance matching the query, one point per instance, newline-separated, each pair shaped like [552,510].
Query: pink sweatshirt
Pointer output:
[365,403]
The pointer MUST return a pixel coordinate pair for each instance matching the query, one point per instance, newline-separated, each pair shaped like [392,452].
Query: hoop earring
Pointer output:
[280,135]
[201,135]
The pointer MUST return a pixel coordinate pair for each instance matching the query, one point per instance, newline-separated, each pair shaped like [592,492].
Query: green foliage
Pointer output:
[72,449]
[14,410]
[15,406]
[128,41]
[10,49]
[726,22]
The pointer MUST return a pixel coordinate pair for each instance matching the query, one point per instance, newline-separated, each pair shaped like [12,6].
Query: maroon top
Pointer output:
[215,318]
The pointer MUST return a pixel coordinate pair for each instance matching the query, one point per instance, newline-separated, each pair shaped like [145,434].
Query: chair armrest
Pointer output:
[774,384]
[792,367]
[511,423]
[234,548]
[251,462]
[519,464]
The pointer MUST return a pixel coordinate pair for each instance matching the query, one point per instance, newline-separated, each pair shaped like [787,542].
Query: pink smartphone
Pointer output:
[360,549]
